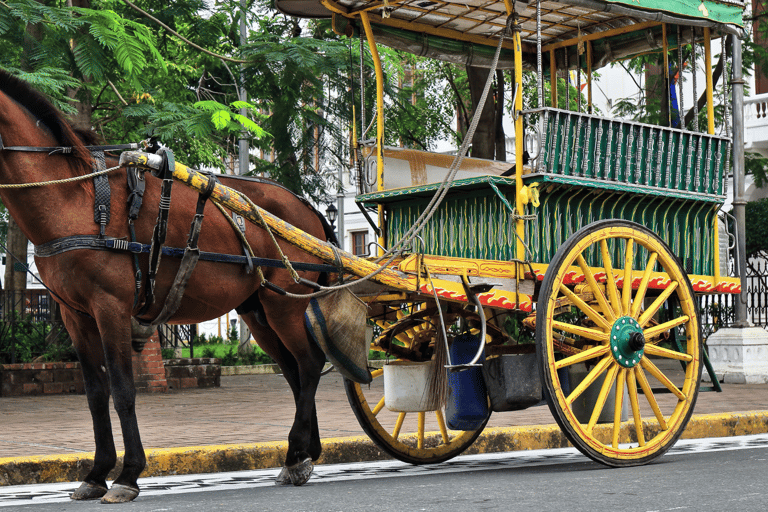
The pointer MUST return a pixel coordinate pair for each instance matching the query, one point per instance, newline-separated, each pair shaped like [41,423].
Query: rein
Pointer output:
[65,150]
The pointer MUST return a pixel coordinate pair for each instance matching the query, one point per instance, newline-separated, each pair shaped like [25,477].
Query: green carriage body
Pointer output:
[590,168]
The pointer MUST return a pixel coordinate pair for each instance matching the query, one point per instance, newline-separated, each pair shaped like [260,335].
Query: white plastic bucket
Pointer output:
[405,386]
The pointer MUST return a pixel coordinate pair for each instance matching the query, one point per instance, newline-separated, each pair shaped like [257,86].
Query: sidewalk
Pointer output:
[246,409]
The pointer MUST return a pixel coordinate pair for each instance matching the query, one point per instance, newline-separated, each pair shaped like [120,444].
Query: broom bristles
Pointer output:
[437,385]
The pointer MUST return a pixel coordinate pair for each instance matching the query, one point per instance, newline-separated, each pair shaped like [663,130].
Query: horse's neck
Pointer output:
[44,212]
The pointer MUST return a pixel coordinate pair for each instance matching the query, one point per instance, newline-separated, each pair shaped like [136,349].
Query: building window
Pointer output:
[359,243]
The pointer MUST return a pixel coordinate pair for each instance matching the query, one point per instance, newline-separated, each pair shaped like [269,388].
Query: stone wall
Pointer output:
[193,373]
[40,379]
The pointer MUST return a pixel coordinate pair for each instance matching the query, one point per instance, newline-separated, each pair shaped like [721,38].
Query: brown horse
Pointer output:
[96,287]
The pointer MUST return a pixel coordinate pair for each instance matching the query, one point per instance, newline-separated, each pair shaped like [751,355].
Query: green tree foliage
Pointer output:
[756,213]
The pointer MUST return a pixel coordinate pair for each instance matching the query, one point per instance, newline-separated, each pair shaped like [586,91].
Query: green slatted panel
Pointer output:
[683,224]
[474,225]
[629,153]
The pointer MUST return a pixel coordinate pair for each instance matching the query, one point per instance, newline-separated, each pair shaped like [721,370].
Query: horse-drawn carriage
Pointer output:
[599,245]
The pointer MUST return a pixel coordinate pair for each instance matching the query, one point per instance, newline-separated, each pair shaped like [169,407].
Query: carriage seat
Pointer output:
[405,168]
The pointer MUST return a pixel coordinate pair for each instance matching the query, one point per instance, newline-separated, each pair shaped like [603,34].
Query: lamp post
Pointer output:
[332,214]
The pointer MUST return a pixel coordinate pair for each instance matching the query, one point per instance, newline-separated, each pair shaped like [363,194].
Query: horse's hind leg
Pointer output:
[303,375]
[87,343]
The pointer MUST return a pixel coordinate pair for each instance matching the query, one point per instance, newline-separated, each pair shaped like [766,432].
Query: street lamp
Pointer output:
[332,213]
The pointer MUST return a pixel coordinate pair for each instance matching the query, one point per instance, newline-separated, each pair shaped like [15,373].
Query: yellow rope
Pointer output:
[58,182]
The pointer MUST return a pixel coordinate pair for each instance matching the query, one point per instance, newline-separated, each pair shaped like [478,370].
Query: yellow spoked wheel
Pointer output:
[616,384]
[413,437]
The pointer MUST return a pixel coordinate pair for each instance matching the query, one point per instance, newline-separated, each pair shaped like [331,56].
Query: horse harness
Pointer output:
[190,255]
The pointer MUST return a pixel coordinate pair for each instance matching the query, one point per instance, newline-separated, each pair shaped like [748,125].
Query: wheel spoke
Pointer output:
[589,379]
[585,355]
[379,406]
[635,403]
[640,295]
[621,380]
[422,421]
[654,370]
[586,332]
[626,291]
[603,396]
[648,392]
[610,280]
[586,308]
[596,290]
[656,350]
[651,332]
[398,425]
[441,424]
[656,305]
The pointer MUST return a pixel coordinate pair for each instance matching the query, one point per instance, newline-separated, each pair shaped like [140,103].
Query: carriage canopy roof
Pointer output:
[438,28]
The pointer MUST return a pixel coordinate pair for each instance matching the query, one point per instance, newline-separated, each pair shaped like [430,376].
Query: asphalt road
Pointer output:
[725,474]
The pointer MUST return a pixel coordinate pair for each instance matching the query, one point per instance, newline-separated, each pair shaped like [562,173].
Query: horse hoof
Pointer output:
[120,494]
[300,472]
[283,478]
[88,491]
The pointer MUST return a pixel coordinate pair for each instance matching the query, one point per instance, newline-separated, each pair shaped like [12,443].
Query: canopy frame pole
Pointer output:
[379,120]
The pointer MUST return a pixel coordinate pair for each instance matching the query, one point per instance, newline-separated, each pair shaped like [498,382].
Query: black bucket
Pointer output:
[512,381]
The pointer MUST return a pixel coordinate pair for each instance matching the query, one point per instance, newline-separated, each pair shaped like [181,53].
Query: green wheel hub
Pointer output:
[627,341]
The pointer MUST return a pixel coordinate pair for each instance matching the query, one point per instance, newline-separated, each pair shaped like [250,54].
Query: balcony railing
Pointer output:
[756,124]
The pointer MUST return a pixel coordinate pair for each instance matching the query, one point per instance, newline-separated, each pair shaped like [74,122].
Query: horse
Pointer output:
[97,288]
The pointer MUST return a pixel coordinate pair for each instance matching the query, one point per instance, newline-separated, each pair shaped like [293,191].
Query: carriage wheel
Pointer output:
[414,437]
[612,335]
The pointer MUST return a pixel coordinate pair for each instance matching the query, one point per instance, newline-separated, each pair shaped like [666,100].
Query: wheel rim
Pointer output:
[620,339]
[415,437]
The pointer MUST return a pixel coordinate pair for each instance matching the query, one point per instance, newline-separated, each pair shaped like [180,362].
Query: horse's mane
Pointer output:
[42,109]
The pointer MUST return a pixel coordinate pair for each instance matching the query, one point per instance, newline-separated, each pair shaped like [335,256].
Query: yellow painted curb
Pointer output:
[238,457]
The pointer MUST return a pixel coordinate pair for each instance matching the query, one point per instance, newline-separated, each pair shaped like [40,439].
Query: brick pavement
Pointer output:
[246,409]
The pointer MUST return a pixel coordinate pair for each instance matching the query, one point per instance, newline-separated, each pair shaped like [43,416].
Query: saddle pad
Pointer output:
[337,324]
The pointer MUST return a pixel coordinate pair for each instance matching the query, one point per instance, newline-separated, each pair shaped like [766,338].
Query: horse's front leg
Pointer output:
[115,332]
[87,343]
[104,348]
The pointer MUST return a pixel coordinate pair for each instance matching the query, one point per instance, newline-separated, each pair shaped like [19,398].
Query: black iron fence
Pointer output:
[719,310]
[31,329]
[177,336]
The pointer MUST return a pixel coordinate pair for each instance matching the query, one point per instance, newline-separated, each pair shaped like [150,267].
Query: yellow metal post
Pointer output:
[520,206]
[708,71]
[379,114]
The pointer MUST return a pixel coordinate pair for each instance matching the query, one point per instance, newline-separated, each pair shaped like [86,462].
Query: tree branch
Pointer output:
[169,29]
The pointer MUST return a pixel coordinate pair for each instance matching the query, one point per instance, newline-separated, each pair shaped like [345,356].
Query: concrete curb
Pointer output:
[213,459]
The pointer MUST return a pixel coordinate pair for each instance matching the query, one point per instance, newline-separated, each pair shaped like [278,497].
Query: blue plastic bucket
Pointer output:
[466,407]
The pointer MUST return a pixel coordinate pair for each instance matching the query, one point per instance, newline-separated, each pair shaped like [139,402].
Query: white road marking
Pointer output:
[59,493]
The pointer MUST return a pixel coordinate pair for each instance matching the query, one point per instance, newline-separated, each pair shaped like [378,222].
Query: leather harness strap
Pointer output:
[76,242]
[101,205]
[161,228]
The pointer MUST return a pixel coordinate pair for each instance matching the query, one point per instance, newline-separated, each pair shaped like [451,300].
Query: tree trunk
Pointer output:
[15,275]
[83,118]
[484,140]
